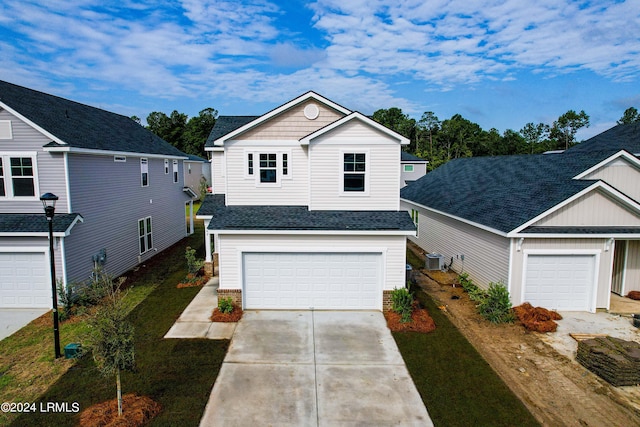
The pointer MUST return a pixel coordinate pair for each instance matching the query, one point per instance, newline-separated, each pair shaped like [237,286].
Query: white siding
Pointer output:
[486,255]
[230,248]
[218,173]
[247,190]
[632,273]
[620,174]
[326,164]
[592,209]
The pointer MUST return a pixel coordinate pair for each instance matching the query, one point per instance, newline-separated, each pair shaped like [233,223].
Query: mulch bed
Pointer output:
[136,411]
[234,316]
[420,321]
[193,280]
[635,295]
[537,319]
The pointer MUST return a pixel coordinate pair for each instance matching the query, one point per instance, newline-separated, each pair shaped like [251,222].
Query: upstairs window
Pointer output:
[166,166]
[144,172]
[3,193]
[355,170]
[285,164]
[408,168]
[250,164]
[175,171]
[268,168]
[145,234]
[22,177]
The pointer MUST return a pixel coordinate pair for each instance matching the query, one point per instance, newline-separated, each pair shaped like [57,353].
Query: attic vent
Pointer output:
[5,129]
[435,262]
[120,159]
[311,111]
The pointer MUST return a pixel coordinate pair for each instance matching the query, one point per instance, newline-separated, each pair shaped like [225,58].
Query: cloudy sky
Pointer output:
[499,63]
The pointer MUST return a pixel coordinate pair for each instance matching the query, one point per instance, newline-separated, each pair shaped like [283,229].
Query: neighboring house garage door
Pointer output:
[24,280]
[560,282]
[321,281]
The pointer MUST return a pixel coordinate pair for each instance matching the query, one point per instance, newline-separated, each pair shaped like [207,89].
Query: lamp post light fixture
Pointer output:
[49,203]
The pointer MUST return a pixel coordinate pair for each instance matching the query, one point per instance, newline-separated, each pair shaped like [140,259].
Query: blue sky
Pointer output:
[499,63]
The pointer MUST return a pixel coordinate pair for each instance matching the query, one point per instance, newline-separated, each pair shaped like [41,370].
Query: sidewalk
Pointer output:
[194,321]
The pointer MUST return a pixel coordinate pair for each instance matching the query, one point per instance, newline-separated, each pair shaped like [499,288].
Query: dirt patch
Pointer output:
[136,411]
[420,321]
[556,390]
[234,316]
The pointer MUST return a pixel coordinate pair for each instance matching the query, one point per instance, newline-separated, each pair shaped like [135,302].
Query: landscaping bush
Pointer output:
[225,305]
[475,293]
[193,264]
[402,303]
[496,306]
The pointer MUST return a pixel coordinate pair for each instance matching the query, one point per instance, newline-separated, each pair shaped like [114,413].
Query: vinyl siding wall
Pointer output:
[632,272]
[230,249]
[50,168]
[419,170]
[565,246]
[193,179]
[218,173]
[486,255]
[620,174]
[111,199]
[326,155]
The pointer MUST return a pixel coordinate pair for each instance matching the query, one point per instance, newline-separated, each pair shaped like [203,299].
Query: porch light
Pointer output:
[49,203]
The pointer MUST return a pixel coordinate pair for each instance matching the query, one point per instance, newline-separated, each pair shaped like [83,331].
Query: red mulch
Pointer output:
[234,316]
[634,295]
[136,411]
[537,319]
[192,281]
[420,321]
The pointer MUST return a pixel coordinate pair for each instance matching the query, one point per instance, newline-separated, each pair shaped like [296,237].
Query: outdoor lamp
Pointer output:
[49,203]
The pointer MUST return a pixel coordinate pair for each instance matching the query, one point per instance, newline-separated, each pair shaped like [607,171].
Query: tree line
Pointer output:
[432,139]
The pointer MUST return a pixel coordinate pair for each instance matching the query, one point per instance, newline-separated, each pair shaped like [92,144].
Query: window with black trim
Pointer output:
[175,171]
[166,166]
[144,172]
[3,193]
[354,172]
[250,164]
[145,234]
[268,168]
[285,164]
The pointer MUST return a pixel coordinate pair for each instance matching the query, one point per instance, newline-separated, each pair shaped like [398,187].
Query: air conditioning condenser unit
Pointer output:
[434,262]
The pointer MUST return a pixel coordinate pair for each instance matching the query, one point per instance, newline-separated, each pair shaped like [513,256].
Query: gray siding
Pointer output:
[192,175]
[111,199]
[419,170]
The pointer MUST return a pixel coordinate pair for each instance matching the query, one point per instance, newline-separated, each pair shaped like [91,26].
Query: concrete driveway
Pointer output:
[321,368]
[14,319]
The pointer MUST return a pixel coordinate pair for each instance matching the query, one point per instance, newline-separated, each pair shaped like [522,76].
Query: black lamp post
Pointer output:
[49,202]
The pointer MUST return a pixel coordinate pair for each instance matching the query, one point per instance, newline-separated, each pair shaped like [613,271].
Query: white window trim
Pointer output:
[176,175]
[120,159]
[256,167]
[367,160]
[166,166]
[144,168]
[6,123]
[146,234]
[6,170]
[404,168]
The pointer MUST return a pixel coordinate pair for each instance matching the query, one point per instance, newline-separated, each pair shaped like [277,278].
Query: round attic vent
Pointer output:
[311,111]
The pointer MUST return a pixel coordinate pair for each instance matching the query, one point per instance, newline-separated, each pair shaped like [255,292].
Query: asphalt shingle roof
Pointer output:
[35,223]
[82,126]
[299,218]
[621,137]
[227,124]
[406,157]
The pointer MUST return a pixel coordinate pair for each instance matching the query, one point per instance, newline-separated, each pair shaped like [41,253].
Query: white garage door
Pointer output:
[320,281]
[560,282]
[24,280]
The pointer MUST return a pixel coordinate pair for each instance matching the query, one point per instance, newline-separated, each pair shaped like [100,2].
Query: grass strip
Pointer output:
[456,384]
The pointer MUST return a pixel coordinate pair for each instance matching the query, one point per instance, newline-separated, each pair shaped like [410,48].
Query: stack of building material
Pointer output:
[614,360]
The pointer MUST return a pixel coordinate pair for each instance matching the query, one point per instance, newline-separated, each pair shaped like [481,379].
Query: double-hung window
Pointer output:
[3,192]
[268,167]
[355,172]
[145,234]
[18,176]
[144,172]
[175,171]
[166,166]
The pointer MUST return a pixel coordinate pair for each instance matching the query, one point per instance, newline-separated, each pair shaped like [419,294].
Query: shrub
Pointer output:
[225,305]
[402,303]
[475,293]
[496,306]
[193,264]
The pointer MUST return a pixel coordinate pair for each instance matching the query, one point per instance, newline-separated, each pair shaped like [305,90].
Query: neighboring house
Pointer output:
[561,230]
[412,168]
[305,212]
[195,168]
[120,189]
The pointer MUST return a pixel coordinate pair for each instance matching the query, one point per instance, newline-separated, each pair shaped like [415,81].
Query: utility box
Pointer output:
[434,262]
[73,350]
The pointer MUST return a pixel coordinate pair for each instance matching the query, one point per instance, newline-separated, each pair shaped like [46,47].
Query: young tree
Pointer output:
[630,115]
[111,335]
[564,129]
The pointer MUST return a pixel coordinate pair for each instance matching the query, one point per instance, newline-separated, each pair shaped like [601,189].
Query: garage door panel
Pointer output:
[24,280]
[313,280]
[560,282]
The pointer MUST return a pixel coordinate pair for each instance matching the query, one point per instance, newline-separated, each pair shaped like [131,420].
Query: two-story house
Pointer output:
[120,189]
[560,230]
[305,211]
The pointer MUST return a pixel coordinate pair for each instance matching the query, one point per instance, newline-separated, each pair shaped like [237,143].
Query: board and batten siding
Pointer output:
[50,167]
[111,199]
[564,246]
[247,190]
[230,248]
[620,174]
[632,268]
[326,154]
[592,209]
[486,254]
[292,124]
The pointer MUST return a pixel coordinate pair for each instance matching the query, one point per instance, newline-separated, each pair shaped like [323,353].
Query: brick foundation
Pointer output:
[209,267]
[387,301]
[235,294]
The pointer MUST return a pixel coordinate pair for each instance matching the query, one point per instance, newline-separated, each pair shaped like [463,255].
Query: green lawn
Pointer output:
[177,373]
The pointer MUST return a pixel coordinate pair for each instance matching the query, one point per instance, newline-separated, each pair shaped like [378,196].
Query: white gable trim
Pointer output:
[110,153]
[597,185]
[622,154]
[457,218]
[32,124]
[355,116]
[319,232]
[309,95]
